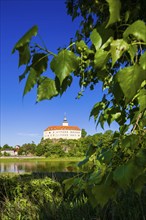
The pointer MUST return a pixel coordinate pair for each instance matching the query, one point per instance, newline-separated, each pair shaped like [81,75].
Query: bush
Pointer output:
[19,208]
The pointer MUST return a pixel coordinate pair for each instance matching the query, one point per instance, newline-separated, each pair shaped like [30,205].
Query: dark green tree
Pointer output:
[7,147]
[83,133]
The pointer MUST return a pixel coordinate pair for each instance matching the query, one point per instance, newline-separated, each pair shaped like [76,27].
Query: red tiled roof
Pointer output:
[62,128]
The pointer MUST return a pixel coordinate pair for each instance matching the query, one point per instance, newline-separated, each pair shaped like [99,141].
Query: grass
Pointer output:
[40,159]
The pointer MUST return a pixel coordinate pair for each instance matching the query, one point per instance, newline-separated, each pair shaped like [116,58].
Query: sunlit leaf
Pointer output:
[26,38]
[96,39]
[142,99]
[23,46]
[130,79]
[132,51]
[142,61]
[101,58]
[46,89]
[64,64]
[137,30]
[107,43]
[114,9]
[118,47]
[112,114]
[31,81]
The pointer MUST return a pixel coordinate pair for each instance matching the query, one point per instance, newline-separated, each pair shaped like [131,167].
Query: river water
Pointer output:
[37,166]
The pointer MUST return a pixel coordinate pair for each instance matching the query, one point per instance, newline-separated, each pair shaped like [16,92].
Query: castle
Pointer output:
[63,131]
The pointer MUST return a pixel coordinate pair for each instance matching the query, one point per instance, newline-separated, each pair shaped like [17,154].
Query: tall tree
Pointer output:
[109,47]
[83,132]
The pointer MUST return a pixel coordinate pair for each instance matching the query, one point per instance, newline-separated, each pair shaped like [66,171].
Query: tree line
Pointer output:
[63,147]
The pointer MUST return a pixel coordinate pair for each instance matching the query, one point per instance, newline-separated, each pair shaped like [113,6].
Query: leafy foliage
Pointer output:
[63,64]
[108,48]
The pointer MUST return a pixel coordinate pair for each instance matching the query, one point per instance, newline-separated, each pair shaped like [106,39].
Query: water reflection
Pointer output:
[21,167]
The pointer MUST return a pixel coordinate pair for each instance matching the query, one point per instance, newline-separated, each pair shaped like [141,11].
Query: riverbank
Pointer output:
[42,159]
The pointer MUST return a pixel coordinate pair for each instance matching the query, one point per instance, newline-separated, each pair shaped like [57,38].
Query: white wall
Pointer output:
[65,134]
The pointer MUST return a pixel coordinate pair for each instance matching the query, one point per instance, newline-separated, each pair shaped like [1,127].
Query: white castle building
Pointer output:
[63,131]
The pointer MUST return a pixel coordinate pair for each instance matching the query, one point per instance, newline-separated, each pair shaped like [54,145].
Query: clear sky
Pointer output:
[23,121]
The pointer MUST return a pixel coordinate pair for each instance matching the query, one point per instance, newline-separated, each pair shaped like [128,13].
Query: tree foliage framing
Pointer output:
[109,47]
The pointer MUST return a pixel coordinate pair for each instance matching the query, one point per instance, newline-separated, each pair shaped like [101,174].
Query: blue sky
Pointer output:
[23,121]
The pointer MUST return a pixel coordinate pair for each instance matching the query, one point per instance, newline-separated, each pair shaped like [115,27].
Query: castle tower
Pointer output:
[65,122]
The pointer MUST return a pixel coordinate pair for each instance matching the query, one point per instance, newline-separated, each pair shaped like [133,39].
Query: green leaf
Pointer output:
[40,62]
[102,74]
[101,120]
[64,64]
[96,39]
[91,150]
[81,163]
[65,84]
[22,76]
[108,178]
[142,123]
[118,47]
[26,38]
[46,89]
[107,43]
[139,183]
[96,110]
[132,51]
[95,177]
[141,158]
[142,99]
[91,197]
[106,156]
[31,81]
[130,141]
[112,114]
[117,92]
[130,79]
[101,58]
[125,173]
[137,30]
[103,193]
[68,183]
[23,46]
[106,35]
[24,54]
[114,9]
[142,61]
